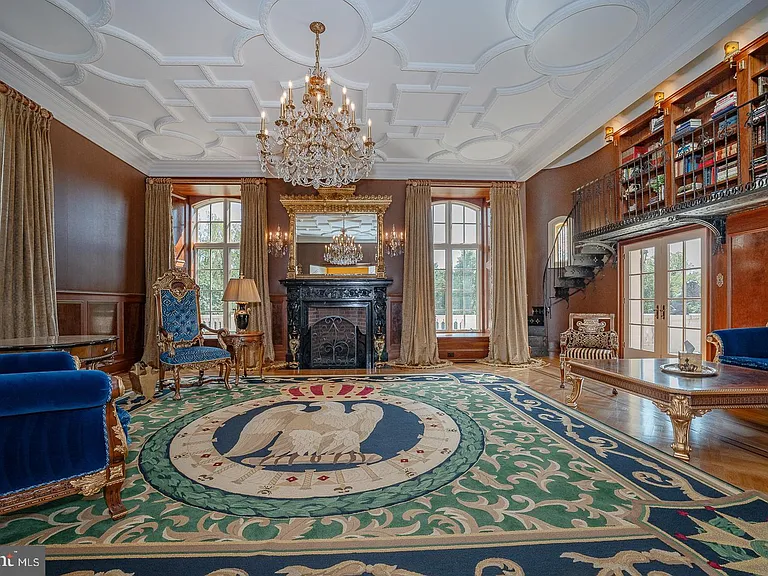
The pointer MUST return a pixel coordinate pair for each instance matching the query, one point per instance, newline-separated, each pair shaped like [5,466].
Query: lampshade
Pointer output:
[241,290]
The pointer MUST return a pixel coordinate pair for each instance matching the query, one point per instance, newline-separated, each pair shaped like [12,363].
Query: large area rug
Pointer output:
[395,475]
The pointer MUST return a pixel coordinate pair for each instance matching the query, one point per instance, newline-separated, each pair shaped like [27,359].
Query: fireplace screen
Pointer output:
[336,341]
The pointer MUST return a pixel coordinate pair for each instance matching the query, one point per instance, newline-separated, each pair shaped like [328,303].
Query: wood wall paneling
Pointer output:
[108,314]
[747,255]
[99,217]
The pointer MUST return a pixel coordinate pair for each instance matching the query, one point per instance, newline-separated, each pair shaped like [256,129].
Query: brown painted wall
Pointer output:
[99,217]
[548,195]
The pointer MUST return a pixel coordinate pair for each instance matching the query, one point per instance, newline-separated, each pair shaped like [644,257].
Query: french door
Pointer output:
[664,295]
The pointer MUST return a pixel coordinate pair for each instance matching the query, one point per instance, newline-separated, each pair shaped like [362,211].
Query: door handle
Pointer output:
[663,311]
[657,311]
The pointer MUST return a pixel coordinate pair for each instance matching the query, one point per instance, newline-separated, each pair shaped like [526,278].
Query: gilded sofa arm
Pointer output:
[219,334]
[614,338]
[165,342]
[717,342]
[566,339]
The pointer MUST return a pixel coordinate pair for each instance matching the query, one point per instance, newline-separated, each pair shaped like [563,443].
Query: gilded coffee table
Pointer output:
[92,350]
[681,398]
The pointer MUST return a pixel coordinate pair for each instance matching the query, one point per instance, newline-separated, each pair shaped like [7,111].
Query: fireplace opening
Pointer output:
[337,337]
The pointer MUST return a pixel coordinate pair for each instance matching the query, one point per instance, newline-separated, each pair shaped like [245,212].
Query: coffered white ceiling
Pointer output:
[481,90]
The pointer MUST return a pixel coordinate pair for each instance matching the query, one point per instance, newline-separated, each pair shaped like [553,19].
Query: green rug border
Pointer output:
[160,473]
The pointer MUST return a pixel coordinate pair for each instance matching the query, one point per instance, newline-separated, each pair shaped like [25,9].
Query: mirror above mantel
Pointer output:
[320,224]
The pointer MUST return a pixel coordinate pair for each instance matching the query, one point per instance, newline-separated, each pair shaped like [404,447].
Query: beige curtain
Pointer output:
[253,256]
[28,260]
[419,339]
[158,255]
[509,312]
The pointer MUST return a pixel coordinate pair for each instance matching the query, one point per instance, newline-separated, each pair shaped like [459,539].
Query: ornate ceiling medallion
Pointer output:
[316,145]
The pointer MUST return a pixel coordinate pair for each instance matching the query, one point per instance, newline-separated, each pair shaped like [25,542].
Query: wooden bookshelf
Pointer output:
[723,151]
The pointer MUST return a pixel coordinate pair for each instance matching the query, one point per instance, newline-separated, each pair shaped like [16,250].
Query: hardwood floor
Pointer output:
[732,444]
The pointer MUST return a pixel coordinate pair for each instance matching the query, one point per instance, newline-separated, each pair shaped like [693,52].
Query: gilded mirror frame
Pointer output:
[330,201]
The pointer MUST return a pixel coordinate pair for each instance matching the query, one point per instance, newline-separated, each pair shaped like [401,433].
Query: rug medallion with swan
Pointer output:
[395,475]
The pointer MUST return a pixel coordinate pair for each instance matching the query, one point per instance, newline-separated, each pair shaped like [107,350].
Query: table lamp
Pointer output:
[242,291]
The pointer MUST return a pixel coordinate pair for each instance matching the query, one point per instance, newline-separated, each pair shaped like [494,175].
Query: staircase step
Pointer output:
[537,331]
[594,249]
[535,320]
[569,283]
[589,260]
[562,293]
[578,272]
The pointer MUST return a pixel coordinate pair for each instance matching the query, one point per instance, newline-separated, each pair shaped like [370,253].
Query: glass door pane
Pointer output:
[640,302]
[685,290]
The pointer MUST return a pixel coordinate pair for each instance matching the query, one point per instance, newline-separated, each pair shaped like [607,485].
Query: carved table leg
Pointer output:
[680,414]
[576,383]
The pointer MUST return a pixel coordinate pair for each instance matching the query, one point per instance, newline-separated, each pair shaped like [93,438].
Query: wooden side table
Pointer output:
[237,343]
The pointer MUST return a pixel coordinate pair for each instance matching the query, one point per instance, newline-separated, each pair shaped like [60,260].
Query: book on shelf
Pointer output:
[762,85]
[704,99]
[632,153]
[687,165]
[690,124]
[727,127]
[657,124]
[758,135]
[687,188]
[724,104]
[759,163]
[727,171]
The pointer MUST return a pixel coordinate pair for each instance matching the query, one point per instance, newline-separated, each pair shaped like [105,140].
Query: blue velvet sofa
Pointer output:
[746,347]
[60,432]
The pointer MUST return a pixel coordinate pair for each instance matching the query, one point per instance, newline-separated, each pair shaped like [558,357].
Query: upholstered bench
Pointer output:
[745,347]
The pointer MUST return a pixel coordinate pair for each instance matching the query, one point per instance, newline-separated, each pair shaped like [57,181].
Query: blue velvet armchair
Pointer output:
[60,432]
[180,330]
[746,347]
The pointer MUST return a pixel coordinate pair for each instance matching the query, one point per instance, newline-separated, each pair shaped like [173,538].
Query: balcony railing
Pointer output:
[705,163]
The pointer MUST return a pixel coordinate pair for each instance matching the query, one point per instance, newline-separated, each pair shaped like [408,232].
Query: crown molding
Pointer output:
[381,171]
[64,109]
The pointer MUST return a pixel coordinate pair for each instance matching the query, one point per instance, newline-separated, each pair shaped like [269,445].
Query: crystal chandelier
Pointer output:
[343,251]
[316,145]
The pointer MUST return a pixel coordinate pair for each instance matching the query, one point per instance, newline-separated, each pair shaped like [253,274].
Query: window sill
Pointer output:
[463,334]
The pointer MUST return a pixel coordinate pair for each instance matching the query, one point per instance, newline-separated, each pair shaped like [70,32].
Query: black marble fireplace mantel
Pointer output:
[359,305]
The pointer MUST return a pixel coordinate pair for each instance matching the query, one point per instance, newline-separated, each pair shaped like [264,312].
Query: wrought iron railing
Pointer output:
[697,163]
[560,256]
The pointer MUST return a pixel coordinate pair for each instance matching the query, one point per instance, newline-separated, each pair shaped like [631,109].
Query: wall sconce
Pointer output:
[277,243]
[394,242]
[609,134]
[658,98]
[731,50]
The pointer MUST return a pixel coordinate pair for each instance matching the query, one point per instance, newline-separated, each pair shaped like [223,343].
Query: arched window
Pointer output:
[558,232]
[457,254]
[216,253]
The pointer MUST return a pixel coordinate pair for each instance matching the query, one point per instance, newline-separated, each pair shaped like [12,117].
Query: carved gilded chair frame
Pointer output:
[179,283]
[334,201]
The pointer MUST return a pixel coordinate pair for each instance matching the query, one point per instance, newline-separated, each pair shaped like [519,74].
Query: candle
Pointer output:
[282,106]
[263,122]
[369,128]
[352,107]
[344,99]
[319,101]
[290,92]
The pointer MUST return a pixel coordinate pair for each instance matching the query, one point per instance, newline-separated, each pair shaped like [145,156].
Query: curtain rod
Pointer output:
[19,97]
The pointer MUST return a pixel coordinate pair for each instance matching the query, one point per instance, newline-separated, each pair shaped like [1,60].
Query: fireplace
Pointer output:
[336,321]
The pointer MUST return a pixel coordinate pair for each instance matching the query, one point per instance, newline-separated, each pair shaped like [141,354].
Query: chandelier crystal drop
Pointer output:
[315,144]
[343,251]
